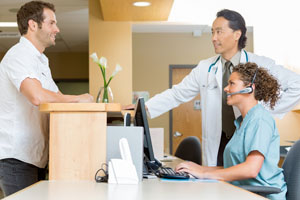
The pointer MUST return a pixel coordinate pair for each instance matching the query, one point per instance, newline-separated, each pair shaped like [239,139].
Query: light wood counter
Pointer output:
[77,138]
[147,190]
[84,107]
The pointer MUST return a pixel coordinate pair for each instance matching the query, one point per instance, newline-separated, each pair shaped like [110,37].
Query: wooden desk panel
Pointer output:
[77,145]
[77,139]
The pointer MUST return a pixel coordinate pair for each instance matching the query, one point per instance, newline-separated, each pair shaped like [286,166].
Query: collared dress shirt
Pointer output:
[23,129]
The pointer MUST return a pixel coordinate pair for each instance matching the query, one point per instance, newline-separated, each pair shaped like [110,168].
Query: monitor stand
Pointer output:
[150,166]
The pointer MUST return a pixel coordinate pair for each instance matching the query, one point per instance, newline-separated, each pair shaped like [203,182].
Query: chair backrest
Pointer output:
[190,149]
[291,167]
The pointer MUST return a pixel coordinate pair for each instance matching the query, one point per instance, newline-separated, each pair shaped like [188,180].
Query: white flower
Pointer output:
[103,62]
[117,69]
[94,57]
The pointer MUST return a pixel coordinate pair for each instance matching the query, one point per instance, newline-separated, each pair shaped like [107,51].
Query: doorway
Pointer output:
[185,120]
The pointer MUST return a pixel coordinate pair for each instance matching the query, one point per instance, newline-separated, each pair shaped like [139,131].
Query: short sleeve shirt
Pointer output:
[257,132]
[23,129]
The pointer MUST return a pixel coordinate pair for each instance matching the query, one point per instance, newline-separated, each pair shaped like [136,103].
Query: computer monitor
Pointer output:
[140,119]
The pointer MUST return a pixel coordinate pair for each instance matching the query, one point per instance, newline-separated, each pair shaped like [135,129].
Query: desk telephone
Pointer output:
[122,171]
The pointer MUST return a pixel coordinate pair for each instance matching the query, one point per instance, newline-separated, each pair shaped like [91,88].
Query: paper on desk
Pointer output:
[189,180]
[157,138]
[287,148]
[168,158]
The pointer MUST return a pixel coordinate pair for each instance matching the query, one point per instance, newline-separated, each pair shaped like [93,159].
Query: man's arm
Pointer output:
[36,94]
[289,85]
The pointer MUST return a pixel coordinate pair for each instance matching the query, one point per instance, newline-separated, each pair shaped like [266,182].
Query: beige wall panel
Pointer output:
[154,52]
[289,127]
[69,65]
[112,40]
[1,55]
[77,145]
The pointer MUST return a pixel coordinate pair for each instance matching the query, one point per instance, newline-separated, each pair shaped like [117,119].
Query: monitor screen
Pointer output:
[140,119]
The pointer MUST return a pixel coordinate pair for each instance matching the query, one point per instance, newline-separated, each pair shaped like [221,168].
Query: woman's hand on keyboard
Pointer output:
[191,168]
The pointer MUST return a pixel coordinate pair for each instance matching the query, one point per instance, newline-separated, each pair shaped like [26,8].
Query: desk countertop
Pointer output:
[153,189]
[113,109]
[87,107]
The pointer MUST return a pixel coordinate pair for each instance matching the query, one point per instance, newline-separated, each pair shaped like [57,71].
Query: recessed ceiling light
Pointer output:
[8,24]
[141,3]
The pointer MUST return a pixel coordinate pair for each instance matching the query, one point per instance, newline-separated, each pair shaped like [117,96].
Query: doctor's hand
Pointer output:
[128,107]
[191,168]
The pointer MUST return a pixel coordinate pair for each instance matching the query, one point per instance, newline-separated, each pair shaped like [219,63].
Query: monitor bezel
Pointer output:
[148,150]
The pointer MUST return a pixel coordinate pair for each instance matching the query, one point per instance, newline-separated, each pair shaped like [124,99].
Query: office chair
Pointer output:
[190,149]
[291,167]
[291,171]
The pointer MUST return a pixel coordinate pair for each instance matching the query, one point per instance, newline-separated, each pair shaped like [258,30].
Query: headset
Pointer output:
[248,89]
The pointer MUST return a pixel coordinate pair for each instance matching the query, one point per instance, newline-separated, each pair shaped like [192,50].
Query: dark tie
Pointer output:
[227,111]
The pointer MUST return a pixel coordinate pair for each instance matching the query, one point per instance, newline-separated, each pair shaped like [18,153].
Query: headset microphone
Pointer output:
[247,90]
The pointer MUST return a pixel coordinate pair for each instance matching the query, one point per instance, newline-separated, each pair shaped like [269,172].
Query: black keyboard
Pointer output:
[167,172]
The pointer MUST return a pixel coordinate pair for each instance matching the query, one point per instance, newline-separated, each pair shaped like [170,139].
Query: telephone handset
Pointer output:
[122,171]
[124,150]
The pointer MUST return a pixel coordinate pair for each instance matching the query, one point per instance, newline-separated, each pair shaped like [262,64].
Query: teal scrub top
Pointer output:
[257,132]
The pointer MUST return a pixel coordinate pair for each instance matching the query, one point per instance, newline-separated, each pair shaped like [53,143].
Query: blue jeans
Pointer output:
[16,175]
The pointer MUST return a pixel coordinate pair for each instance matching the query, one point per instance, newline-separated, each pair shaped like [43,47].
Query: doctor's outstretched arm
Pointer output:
[290,90]
[185,91]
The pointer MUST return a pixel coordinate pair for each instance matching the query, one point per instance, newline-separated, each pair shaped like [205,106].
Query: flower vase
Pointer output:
[105,95]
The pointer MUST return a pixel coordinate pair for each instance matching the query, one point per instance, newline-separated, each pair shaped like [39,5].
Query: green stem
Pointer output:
[109,80]
[103,74]
[105,91]
[104,77]
[105,96]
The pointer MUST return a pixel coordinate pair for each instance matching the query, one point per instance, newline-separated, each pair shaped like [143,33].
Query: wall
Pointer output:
[1,55]
[112,40]
[69,65]
[66,66]
[289,127]
[154,52]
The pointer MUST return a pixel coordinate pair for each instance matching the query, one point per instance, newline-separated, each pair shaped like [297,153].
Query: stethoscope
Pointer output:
[210,80]
[214,63]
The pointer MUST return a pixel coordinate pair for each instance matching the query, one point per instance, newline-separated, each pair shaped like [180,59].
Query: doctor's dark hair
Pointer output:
[267,88]
[32,10]
[236,22]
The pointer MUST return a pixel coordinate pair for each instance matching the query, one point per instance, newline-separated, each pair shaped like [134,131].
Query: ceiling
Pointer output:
[123,10]
[72,17]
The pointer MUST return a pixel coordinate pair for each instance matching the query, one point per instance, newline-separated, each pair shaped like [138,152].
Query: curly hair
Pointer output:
[32,10]
[267,88]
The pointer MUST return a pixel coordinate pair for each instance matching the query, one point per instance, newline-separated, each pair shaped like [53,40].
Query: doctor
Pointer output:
[209,79]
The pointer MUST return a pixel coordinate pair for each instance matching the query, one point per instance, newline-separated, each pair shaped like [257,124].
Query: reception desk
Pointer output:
[147,190]
[77,138]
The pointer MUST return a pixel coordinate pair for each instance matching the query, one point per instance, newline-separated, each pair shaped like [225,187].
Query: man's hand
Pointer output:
[85,98]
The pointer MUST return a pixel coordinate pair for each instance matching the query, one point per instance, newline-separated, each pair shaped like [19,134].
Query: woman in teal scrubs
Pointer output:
[252,154]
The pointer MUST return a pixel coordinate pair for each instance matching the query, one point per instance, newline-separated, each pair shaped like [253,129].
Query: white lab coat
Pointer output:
[209,84]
